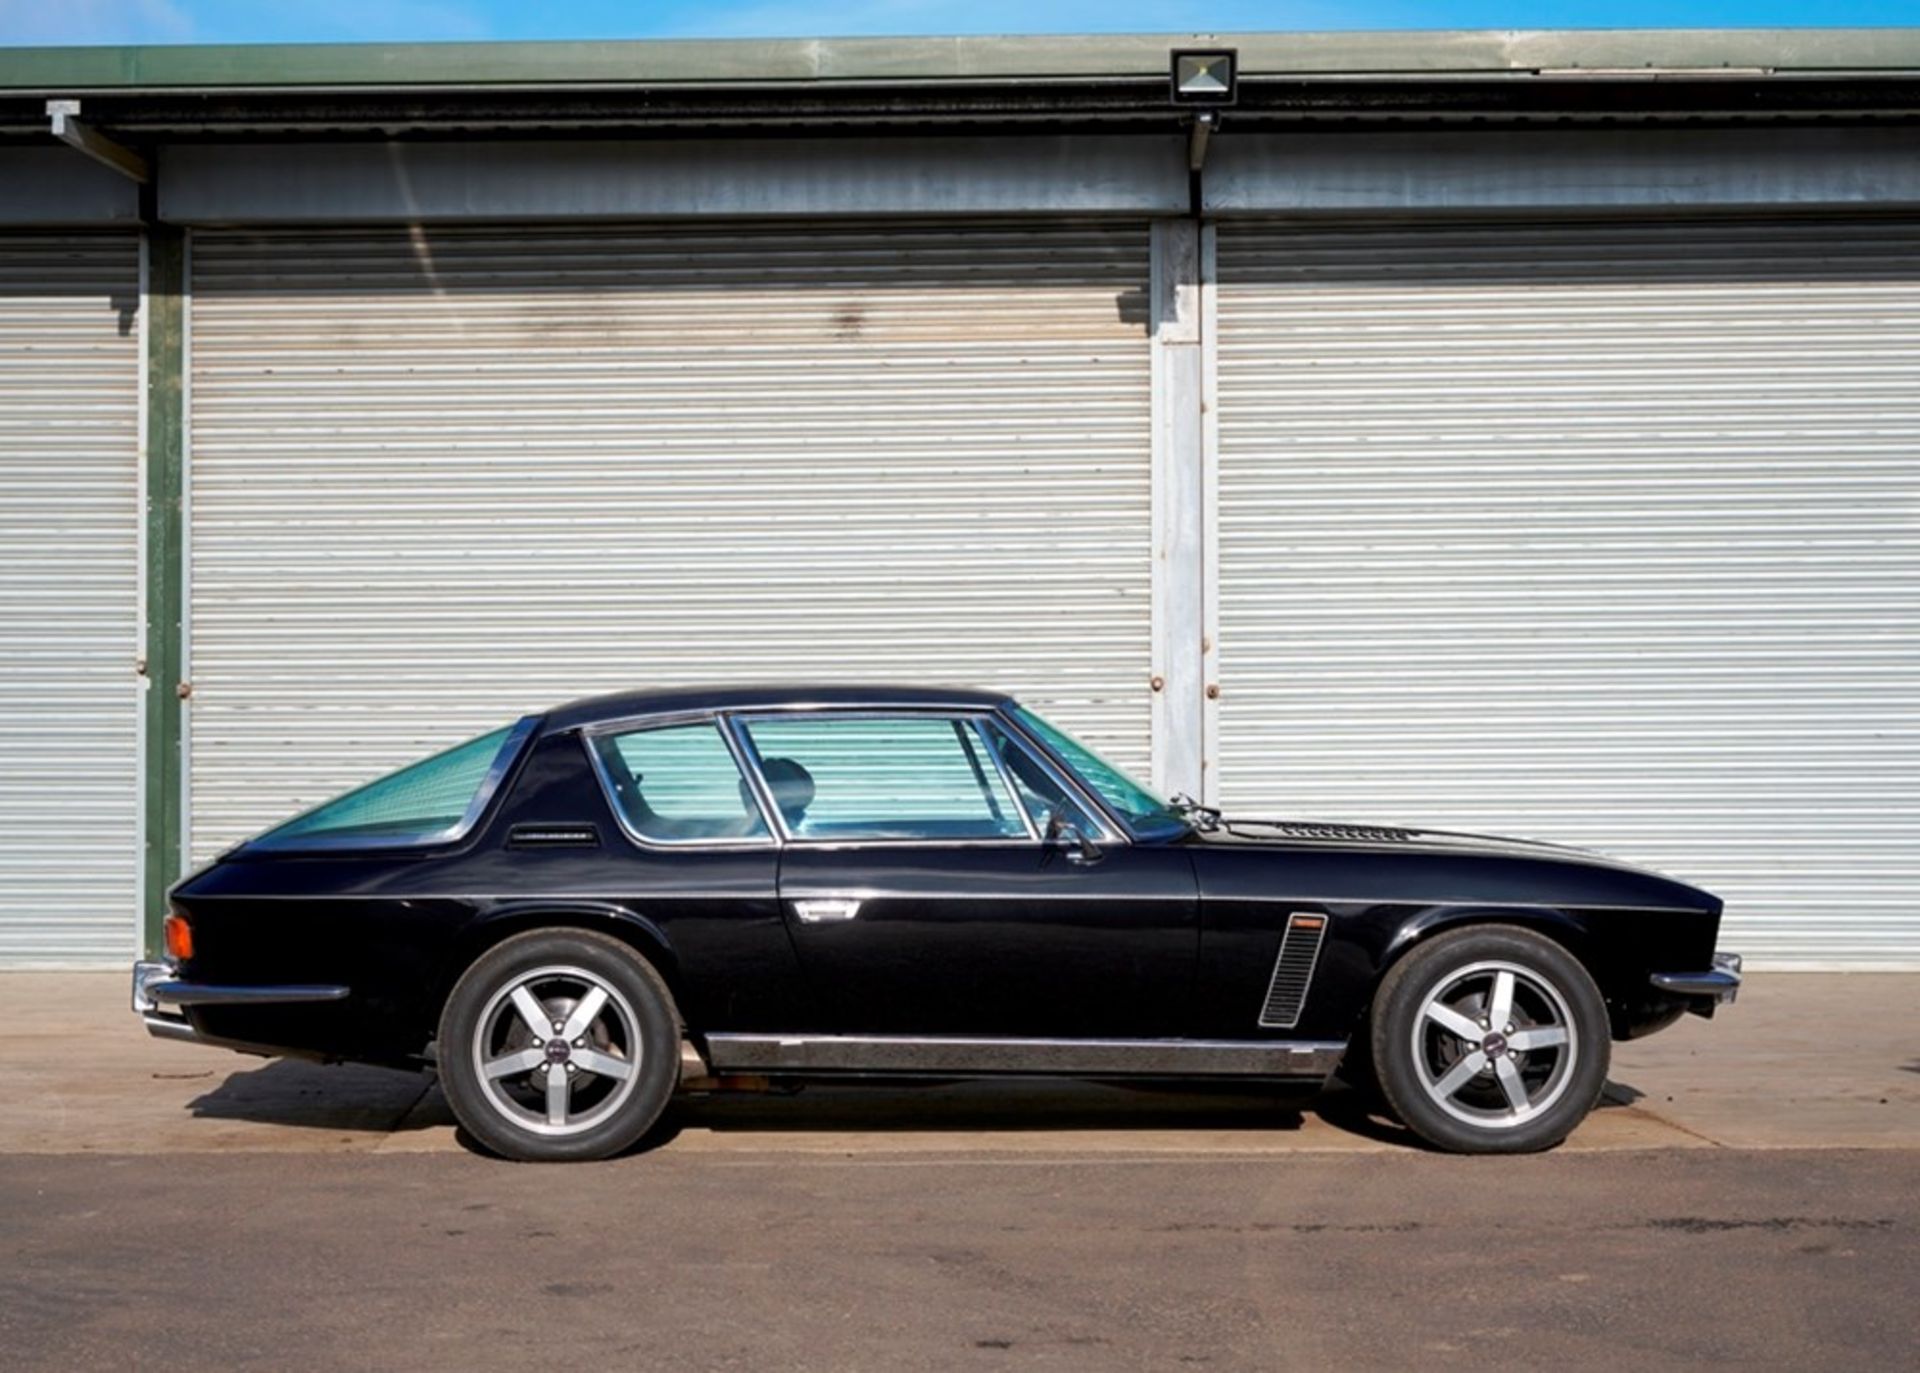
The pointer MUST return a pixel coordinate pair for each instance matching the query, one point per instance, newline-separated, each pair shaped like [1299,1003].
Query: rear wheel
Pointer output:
[558,1045]
[1491,1039]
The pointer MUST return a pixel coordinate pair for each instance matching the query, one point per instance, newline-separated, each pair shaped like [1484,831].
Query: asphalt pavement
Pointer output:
[1747,1194]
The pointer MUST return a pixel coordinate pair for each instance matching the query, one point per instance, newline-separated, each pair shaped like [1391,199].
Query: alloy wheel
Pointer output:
[1495,1044]
[557,1050]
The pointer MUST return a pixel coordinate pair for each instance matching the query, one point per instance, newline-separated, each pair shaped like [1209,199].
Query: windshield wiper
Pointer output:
[1205,818]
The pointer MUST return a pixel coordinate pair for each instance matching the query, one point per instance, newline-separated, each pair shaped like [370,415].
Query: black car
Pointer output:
[569,915]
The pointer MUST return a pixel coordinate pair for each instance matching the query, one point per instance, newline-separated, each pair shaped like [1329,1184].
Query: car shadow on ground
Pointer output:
[316,1096]
[350,1097]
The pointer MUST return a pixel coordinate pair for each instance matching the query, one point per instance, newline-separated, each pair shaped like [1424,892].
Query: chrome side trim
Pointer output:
[173,993]
[1061,1057]
[1721,982]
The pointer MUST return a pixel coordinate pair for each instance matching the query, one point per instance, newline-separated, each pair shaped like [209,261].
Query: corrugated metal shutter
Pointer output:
[1606,533]
[441,478]
[69,599]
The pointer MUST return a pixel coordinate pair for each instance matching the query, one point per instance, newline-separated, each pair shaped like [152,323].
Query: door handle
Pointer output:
[821,912]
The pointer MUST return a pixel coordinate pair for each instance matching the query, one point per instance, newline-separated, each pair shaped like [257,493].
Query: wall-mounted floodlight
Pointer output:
[1205,76]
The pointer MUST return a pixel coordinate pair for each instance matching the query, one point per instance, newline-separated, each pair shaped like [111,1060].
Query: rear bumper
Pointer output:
[1719,984]
[158,995]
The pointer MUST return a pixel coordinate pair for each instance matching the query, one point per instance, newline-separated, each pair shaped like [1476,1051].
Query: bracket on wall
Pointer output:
[67,126]
[1199,135]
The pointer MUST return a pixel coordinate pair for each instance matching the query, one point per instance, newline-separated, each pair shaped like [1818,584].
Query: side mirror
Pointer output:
[1064,832]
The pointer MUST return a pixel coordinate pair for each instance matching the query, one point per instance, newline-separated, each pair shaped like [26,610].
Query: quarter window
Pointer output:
[678,784]
[862,777]
[432,800]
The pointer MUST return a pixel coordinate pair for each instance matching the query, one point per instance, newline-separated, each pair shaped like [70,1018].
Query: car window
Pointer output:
[426,801]
[1039,791]
[678,784]
[1140,808]
[864,777]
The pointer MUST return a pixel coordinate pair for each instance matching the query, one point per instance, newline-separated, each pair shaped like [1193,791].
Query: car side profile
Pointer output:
[569,916]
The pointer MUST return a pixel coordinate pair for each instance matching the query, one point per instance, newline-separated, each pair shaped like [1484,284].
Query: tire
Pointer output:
[1470,1086]
[618,1064]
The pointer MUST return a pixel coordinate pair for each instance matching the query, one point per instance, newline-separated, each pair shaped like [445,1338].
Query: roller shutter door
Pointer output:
[1608,534]
[69,599]
[442,478]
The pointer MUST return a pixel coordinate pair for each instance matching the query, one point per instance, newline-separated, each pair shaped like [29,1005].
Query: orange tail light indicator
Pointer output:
[179,937]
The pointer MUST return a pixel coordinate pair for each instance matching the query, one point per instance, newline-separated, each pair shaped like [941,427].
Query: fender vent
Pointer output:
[1293,970]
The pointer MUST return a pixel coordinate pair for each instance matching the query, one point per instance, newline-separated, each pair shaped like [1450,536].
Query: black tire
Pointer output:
[601,1113]
[1450,985]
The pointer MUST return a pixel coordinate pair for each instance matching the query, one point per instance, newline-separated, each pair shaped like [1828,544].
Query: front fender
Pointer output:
[1565,927]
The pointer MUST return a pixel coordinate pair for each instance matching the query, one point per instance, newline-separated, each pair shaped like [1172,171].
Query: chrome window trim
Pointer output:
[1108,815]
[590,737]
[1006,777]
[1112,831]
[649,719]
[511,750]
[739,721]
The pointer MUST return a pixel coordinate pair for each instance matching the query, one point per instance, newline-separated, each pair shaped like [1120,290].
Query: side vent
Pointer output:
[553,837]
[1293,970]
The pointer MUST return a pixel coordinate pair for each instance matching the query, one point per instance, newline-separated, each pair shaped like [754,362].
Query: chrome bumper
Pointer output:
[157,986]
[1721,982]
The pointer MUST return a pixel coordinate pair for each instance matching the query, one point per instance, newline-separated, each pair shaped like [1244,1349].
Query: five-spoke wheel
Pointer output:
[1490,1039]
[559,1044]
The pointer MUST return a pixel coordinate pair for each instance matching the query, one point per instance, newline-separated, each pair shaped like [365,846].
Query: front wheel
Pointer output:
[1490,1040]
[557,1045]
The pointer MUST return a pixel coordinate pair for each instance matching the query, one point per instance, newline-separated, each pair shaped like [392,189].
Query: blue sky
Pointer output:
[289,21]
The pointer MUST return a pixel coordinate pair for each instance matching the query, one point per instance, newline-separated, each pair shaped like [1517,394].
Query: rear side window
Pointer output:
[860,777]
[435,800]
[678,784]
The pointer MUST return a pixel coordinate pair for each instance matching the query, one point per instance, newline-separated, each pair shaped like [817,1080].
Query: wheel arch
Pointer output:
[502,923]
[1568,928]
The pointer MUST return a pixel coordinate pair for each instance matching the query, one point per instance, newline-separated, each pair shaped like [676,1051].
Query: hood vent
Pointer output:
[1302,829]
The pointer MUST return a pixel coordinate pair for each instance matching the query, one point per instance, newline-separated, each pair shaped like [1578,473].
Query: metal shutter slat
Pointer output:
[69,599]
[441,479]
[1600,532]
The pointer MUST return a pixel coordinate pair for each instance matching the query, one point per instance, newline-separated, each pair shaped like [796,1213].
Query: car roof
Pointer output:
[617,705]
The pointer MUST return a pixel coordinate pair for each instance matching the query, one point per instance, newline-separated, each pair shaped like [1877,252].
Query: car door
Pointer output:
[924,898]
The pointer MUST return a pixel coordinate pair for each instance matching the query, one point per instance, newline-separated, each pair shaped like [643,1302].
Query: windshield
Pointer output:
[1145,813]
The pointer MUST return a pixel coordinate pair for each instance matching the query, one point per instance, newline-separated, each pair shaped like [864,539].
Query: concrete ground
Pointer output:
[1749,1194]
[1801,1061]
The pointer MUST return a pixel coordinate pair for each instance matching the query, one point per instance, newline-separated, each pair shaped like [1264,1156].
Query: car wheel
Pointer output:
[1490,1040]
[559,1045]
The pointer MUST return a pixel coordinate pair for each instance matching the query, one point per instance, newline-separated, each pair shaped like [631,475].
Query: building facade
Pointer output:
[1493,432]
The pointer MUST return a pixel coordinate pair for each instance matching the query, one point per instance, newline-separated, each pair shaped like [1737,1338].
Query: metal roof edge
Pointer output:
[726,62]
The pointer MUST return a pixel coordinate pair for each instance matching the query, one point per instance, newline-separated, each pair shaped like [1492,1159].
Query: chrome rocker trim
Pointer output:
[1721,982]
[965,1056]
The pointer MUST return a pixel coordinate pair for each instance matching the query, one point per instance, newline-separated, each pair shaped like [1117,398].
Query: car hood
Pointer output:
[1265,832]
